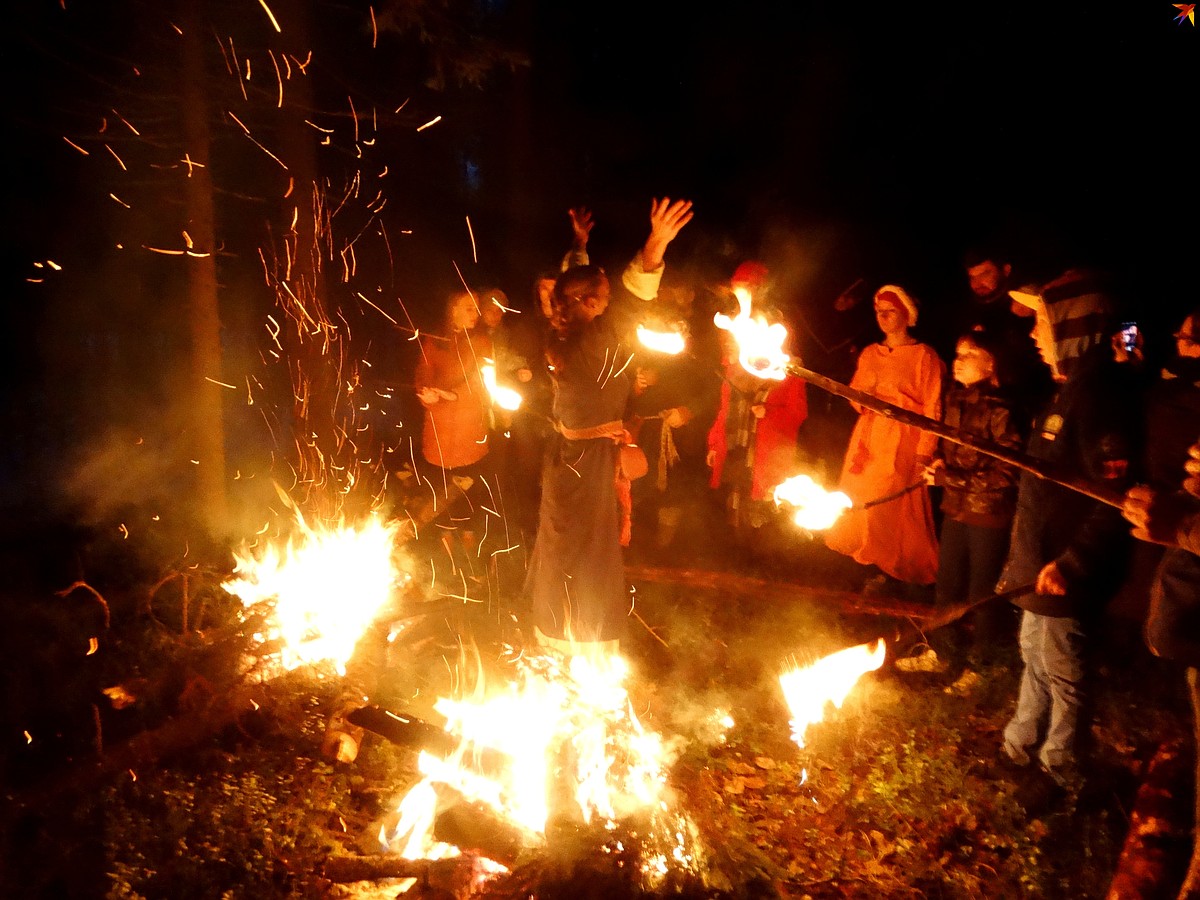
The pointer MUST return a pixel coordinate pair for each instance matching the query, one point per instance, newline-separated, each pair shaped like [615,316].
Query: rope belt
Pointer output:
[614,431]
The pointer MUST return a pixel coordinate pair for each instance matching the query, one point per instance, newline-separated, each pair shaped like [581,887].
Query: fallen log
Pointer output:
[1154,856]
[176,735]
[735,584]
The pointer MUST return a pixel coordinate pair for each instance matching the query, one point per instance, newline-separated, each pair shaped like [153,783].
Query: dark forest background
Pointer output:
[832,140]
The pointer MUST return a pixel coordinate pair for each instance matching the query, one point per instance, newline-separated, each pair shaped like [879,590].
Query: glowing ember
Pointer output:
[813,507]
[503,397]
[669,342]
[760,345]
[830,679]
[569,746]
[322,590]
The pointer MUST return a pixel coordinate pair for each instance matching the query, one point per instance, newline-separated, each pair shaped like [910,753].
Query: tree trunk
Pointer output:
[207,430]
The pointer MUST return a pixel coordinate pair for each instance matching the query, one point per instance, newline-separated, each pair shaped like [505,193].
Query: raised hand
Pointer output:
[667,219]
[581,224]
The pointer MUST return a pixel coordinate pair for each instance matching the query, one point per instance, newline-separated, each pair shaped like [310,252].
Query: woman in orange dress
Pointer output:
[886,457]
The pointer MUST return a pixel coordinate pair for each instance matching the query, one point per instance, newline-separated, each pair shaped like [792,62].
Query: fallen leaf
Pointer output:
[764,762]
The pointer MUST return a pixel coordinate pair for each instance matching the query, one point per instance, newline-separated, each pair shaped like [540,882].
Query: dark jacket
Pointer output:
[979,489]
[1085,430]
[1172,422]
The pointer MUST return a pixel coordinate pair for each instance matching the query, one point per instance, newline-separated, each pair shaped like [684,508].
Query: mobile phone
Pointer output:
[1129,335]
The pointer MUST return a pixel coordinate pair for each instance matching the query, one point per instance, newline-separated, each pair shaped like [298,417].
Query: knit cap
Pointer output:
[899,296]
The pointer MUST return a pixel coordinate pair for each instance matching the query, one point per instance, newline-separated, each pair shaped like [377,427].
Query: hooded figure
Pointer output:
[1067,546]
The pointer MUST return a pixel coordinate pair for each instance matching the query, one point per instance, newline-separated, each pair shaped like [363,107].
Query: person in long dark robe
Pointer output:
[576,579]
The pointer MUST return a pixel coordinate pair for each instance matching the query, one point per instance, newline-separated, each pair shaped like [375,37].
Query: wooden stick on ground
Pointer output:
[738,585]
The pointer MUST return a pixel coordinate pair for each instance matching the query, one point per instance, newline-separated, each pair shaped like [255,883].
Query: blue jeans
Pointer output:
[1049,716]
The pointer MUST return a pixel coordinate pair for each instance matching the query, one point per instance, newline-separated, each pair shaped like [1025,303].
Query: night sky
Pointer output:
[833,140]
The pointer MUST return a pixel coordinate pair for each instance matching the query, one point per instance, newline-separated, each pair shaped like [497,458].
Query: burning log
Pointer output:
[475,828]
[1159,837]
[442,873]
[408,731]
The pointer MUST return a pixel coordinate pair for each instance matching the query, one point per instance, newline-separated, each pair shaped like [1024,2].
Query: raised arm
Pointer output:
[581,227]
[644,272]
[667,219]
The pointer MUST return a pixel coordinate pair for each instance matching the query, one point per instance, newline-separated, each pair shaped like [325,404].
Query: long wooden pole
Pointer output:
[908,417]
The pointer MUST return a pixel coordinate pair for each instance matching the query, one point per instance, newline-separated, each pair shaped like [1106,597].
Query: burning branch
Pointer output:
[916,420]
[760,351]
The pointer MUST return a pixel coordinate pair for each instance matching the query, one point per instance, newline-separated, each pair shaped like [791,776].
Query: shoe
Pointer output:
[1038,792]
[926,662]
[966,683]
[1010,769]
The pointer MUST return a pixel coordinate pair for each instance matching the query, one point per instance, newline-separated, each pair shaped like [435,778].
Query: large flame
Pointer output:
[503,397]
[813,507]
[808,689]
[669,342]
[570,745]
[760,345]
[322,588]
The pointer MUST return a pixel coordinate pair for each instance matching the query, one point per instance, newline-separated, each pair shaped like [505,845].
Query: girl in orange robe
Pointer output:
[885,457]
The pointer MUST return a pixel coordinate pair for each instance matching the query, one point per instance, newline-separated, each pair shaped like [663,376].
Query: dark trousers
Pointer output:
[970,558]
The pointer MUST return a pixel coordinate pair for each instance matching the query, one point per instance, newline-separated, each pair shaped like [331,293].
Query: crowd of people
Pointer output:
[616,445]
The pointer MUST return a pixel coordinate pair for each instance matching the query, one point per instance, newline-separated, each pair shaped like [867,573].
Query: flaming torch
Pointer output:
[813,507]
[808,689]
[760,344]
[668,342]
[503,397]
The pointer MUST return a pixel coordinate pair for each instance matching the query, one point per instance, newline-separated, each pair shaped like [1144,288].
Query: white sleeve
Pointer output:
[639,282]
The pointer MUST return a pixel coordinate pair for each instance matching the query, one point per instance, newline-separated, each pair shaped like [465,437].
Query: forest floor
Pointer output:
[900,793]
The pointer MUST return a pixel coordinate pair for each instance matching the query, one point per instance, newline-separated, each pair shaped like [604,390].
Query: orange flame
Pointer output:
[669,342]
[321,590]
[808,689]
[760,345]
[503,397]
[568,736]
[813,507]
